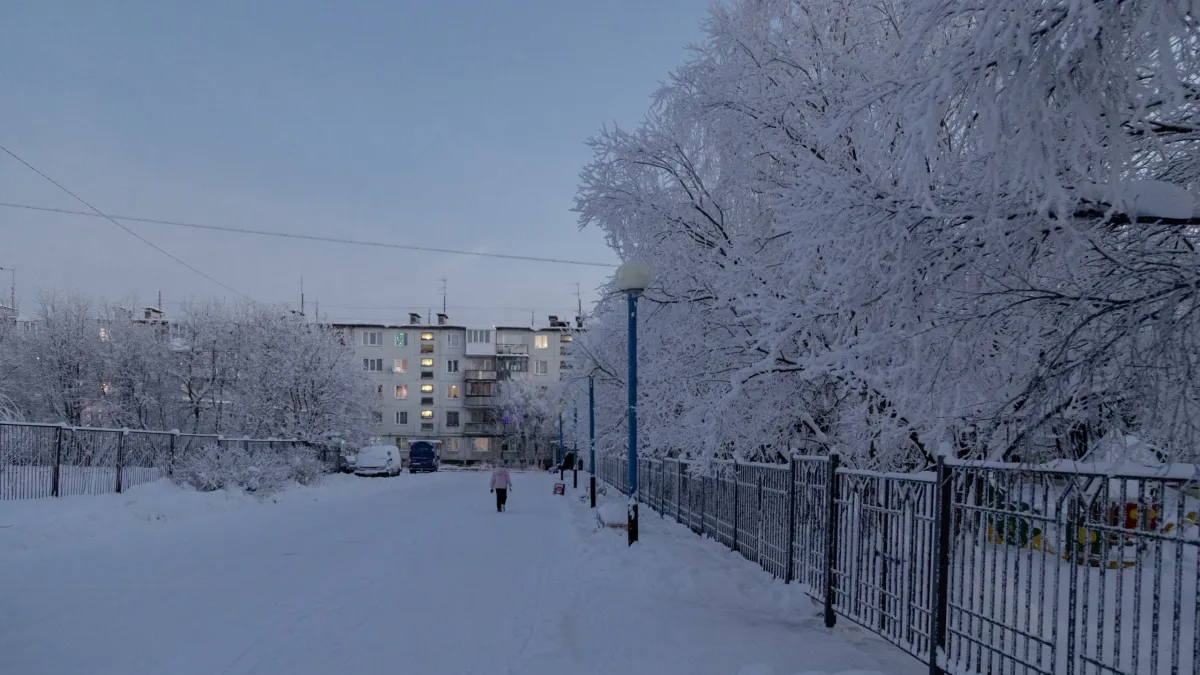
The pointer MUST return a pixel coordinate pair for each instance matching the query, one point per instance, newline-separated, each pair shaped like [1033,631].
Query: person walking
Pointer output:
[501,484]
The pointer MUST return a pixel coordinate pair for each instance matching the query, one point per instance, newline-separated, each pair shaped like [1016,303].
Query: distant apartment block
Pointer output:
[442,381]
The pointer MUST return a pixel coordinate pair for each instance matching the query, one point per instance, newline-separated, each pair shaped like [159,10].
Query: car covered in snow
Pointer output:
[378,460]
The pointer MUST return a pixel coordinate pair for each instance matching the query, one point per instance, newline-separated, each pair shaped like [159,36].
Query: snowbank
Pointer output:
[28,524]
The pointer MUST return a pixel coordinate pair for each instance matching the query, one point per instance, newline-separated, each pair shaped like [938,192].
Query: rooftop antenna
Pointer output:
[317,311]
[301,295]
[443,295]
[579,299]
[159,305]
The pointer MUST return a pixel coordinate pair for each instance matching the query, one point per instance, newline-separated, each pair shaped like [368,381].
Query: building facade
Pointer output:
[442,381]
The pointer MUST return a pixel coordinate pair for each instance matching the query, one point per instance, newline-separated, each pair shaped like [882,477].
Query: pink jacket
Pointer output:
[500,478]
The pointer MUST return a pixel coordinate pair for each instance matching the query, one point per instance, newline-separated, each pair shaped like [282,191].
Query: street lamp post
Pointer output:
[560,447]
[574,445]
[632,278]
[592,431]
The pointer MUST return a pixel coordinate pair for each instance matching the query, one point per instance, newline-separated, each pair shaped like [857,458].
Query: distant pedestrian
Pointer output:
[501,484]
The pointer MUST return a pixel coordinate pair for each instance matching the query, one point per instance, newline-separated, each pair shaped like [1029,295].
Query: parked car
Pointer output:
[378,460]
[348,462]
[423,456]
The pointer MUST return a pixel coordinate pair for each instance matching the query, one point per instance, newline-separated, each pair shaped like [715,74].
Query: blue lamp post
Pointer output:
[592,431]
[632,278]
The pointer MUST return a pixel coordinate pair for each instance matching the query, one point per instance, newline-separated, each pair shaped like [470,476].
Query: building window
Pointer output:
[427,389]
[541,341]
[377,417]
[452,365]
[379,391]
[426,349]
[400,366]
[479,444]
[564,338]
[478,336]
[428,400]
[372,338]
[426,414]
[451,418]
[427,337]
[426,426]
[373,365]
[452,391]
[401,417]
[401,339]
[451,444]
[104,334]
[453,340]
[426,374]
[479,389]
[539,368]
[402,391]
[426,363]
[481,364]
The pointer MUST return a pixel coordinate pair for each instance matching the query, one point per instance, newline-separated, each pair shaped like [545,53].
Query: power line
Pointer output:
[100,214]
[309,237]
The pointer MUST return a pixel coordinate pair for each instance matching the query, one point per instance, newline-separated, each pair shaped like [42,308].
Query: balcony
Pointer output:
[479,401]
[481,429]
[512,350]
[479,375]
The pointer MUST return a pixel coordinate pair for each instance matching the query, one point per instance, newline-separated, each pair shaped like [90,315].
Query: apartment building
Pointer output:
[441,381]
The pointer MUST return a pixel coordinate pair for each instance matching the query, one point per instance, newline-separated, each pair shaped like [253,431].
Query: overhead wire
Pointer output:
[309,237]
[100,214]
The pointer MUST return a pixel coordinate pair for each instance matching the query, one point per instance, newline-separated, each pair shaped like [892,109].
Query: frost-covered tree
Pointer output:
[882,226]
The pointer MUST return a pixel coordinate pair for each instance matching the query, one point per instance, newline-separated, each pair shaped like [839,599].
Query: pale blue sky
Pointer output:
[448,123]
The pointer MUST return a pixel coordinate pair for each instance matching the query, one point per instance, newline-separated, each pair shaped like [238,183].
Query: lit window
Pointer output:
[565,338]
[427,363]
[104,334]
[401,339]
[372,338]
[401,417]
[453,339]
[479,444]
[402,391]
[400,366]
[426,337]
[539,368]
[426,414]
[451,444]
[105,388]
[541,341]
[452,391]
[427,389]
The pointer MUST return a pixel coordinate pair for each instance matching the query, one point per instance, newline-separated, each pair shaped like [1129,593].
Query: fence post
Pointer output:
[56,478]
[120,456]
[679,492]
[831,536]
[941,599]
[758,553]
[791,526]
[703,503]
[737,487]
[171,455]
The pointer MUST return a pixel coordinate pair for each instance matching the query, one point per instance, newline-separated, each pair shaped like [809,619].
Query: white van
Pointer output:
[378,460]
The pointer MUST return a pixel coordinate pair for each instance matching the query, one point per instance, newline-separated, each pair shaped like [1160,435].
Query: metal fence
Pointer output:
[975,568]
[49,460]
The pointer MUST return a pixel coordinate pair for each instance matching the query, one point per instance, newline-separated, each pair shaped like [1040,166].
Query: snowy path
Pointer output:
[422,577]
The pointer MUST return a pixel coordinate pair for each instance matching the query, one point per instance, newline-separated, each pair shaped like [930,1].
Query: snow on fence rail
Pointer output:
[997,568]
[49,460]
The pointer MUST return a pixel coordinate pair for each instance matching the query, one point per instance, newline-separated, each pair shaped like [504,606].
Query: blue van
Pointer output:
[423,455]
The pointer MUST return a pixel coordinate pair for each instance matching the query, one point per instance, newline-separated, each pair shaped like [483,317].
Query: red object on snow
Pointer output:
[560,488]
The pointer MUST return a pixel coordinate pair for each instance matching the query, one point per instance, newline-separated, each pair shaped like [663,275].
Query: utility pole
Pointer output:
[578,300]
[443,295]
[159,305]
[12,290]
[301,295]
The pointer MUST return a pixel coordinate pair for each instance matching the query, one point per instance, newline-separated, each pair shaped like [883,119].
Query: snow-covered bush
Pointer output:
[258,471]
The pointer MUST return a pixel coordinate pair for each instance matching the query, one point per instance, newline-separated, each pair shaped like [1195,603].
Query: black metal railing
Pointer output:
[972,568]
[50,460]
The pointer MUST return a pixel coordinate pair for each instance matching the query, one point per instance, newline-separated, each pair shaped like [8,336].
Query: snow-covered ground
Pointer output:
[416,574]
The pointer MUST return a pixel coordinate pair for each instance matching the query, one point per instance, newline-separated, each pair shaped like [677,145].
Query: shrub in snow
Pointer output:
[259,471]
